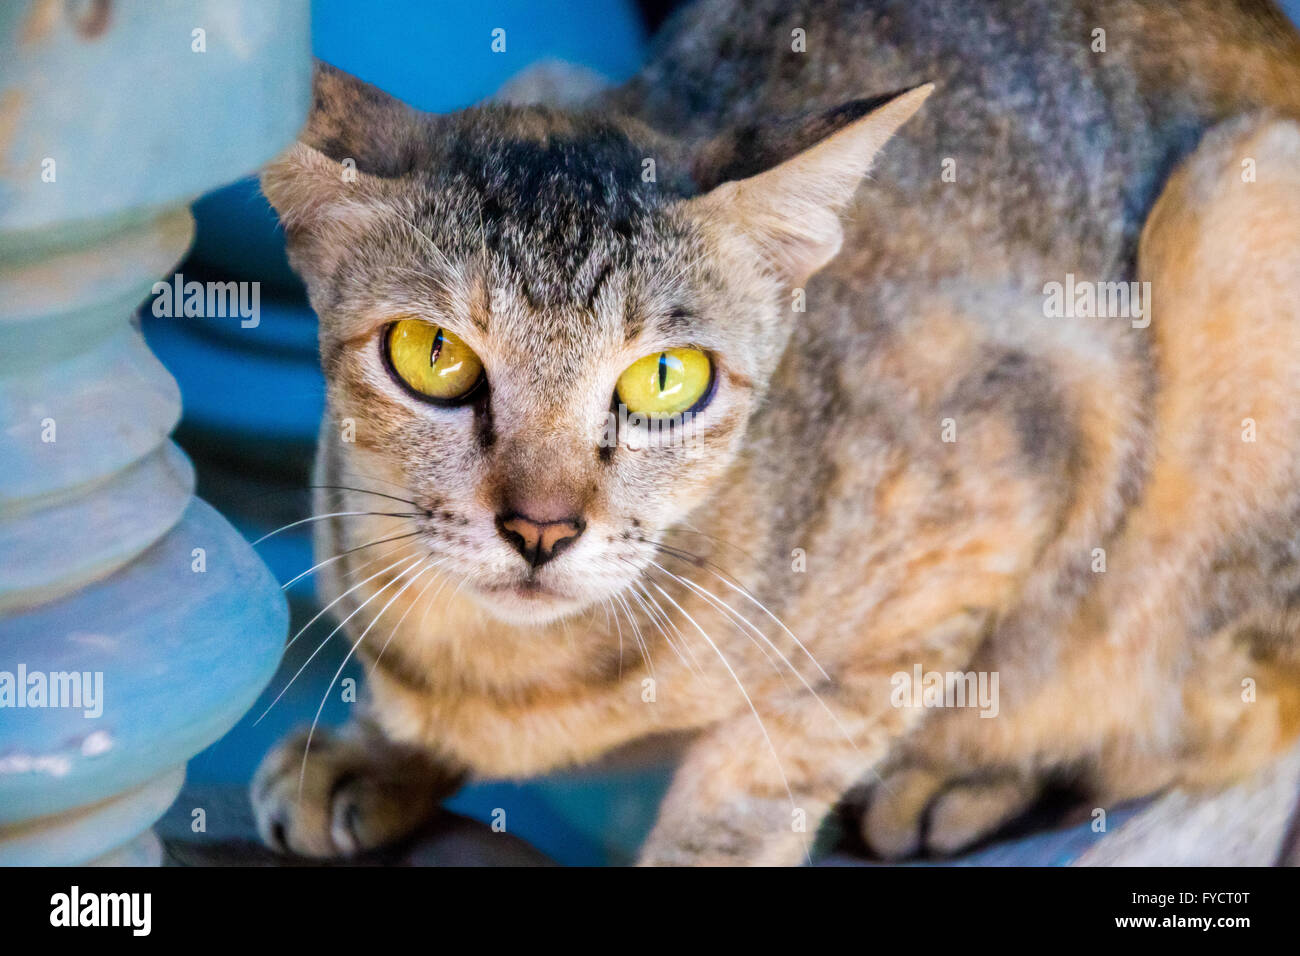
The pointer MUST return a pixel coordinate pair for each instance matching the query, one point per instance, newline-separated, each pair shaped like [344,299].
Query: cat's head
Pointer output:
[549,330]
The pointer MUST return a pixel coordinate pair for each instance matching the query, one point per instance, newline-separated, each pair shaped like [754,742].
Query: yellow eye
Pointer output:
[666,383]
[433,361]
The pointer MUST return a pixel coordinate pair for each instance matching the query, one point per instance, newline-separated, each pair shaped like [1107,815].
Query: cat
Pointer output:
[661,417]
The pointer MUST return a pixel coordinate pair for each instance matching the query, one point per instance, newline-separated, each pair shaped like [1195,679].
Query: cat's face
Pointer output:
[542,490]
[544,341]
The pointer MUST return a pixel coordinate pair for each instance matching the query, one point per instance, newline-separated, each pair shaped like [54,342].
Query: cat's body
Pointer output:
[921,469]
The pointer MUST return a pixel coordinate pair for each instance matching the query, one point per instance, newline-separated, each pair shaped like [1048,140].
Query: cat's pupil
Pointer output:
[437,347]
[663,371]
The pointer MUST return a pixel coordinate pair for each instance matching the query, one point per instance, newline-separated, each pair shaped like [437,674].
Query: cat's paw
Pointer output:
[354,794]
[895,812]
[915,810]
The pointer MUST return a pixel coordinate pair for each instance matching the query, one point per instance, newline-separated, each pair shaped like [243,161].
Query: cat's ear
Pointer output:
[791,211]
[357,137]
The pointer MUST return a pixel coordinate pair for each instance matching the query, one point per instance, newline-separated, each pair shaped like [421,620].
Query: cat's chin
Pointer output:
[525,603]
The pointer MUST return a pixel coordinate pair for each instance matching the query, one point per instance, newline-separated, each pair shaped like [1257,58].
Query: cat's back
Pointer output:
[1053,126]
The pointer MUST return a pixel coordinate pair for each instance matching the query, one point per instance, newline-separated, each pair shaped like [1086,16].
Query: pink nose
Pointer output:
[539,541]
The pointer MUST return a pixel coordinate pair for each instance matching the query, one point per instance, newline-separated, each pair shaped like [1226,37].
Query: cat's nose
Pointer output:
[539,541]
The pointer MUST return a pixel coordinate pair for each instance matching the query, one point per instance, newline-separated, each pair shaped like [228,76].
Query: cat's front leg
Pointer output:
[755,789]
[751,795]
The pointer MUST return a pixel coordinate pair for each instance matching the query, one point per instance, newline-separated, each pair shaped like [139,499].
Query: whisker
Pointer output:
[642,644]
[336,629]
[743,591]
[459,584]
[669,622]
[367,491]
[732,614]
[744,693]
[433,600]
[607,603]
[321,613]
[636,630]
[652,615]
[396,627]
[302,775]
[352,471]
[344,554]
[662,621]
[334,514]
[684,528]
[398,548]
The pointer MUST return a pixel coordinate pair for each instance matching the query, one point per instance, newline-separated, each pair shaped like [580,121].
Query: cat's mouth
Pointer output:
[526,600]
[527,589]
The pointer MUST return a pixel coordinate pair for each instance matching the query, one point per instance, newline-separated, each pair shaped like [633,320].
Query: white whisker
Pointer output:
[334,514]
[396,627]
[302,775]
[322,644]
[343,554]
[744,693]
[400,548]
[667,622]
[733,614]
[745,593]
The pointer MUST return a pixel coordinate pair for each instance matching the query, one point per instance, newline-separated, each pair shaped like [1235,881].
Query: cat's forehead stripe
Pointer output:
[558,204]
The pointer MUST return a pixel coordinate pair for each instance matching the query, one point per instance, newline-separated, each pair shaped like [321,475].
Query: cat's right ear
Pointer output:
[788,208]
[357,139]
[312,192]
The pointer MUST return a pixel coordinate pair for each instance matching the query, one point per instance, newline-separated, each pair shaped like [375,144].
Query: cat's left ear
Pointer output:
[791,211]
[358,140]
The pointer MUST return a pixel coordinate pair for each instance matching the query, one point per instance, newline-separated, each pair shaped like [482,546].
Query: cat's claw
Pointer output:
[353,795]
[892,819]
[914,810]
